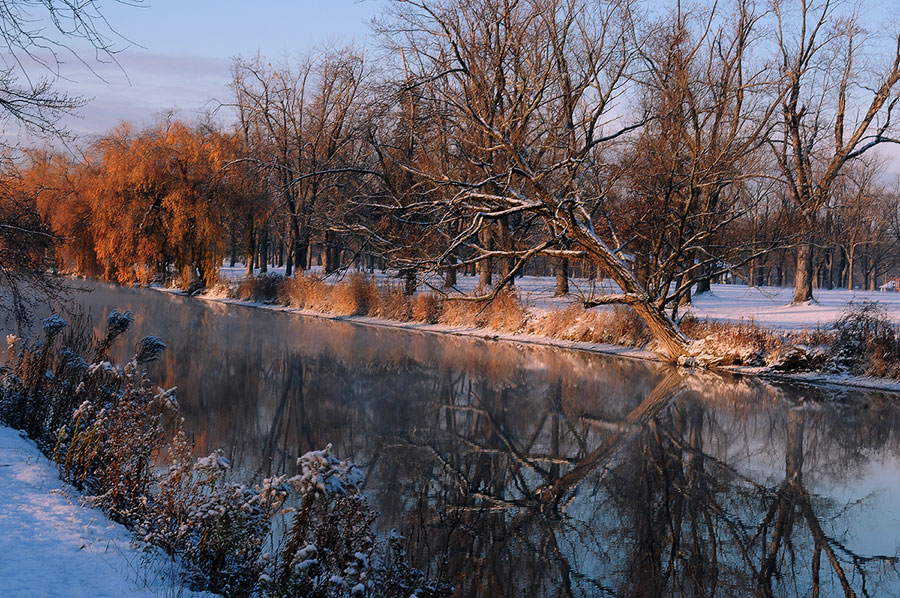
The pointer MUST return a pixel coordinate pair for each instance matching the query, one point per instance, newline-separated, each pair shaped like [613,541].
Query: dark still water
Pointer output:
[527,471]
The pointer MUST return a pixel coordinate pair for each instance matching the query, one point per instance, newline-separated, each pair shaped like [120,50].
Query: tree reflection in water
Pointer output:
[524,471]
[650,512]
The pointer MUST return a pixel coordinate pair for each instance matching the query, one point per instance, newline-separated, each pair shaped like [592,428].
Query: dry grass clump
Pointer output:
[427,308]
[505,313]
[747,343]
[393,303]
[356,296]
[265,288]
[812,337]
[460,313]
[728,343]
[305,292]
[565,324]
[884,358]
[619,326]
[223,288]
[625,327]
[866,342]
[744,333]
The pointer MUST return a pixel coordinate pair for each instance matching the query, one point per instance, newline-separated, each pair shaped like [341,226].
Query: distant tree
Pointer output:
[52,179]
[301,130]
[156,199]
[836,104]
[26,244]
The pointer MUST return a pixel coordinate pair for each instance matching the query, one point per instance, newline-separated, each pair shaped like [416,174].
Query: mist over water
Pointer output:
[519,470]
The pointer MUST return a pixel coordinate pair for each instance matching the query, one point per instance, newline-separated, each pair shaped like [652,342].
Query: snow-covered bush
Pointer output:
[865,342]
[216,528]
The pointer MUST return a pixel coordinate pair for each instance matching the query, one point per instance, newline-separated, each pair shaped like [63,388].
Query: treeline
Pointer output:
[661,148]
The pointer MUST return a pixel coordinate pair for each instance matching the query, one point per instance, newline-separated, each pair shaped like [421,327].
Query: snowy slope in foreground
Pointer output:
[52,546]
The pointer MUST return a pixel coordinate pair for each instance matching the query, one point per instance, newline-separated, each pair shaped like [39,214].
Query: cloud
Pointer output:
[137,87]
[144,85]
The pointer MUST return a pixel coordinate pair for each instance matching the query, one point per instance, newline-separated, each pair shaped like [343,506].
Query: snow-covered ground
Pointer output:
[766,306]
[52,546]
[770,306]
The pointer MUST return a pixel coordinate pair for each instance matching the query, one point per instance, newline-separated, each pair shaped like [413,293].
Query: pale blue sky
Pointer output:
[221,28]
[182,51]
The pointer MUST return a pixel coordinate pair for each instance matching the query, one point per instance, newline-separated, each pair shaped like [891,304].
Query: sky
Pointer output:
[177,53]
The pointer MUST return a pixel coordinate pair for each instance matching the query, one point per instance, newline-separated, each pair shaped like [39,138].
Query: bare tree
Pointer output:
[692,171]
[529,93]
[528,87]
[300,125]
[834,109]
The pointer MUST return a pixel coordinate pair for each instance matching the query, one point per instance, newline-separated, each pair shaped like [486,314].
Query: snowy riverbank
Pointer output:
[768,307]
[52,546]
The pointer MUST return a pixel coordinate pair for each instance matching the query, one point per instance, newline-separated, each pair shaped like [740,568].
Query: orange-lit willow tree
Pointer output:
[143,204]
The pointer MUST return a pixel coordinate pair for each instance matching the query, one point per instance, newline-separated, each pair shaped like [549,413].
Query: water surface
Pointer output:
[517,470]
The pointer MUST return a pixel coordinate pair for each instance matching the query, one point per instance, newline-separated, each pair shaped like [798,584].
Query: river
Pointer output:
[520,470]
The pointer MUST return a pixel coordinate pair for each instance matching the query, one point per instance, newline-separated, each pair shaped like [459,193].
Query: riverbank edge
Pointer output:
[810,378]
[444,329]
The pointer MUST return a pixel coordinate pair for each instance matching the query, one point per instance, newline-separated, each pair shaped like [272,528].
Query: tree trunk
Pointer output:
[485,277]
[561,270]
[233,249]
[760,275]
[673,341]
[289,259]
[450,272]
[703,285]
[506,244]
[264,250]
[409,281]
[685,298]
[485,266]
[297,264]
[251,247]
[331,253]
[302,258]
[850,268]
[803,279]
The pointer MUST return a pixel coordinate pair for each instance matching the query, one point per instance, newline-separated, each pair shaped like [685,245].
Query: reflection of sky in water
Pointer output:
[450,430]
[873,523]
